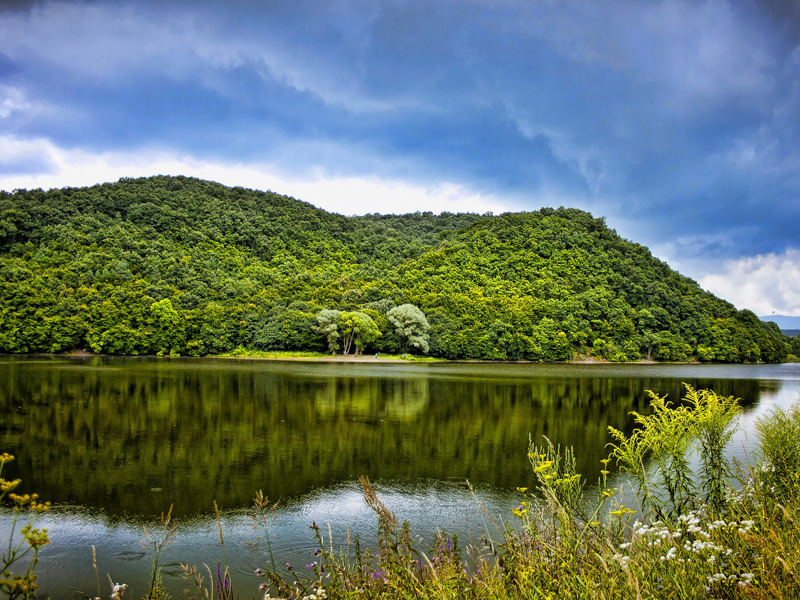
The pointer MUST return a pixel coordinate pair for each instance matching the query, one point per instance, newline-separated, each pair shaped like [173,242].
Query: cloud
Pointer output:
[766,284]
[26,159]
[12,101]
[710,53]
[54,167]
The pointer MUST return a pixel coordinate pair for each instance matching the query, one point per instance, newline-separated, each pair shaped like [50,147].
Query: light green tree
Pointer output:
[411,326]
[167,337]
[328,324]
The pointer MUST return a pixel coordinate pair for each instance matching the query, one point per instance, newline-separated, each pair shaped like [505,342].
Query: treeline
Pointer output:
[183,266]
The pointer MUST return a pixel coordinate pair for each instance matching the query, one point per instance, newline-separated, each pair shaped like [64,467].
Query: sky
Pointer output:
[676,120]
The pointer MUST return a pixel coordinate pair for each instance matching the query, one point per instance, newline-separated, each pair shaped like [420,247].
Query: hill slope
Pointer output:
[175,264]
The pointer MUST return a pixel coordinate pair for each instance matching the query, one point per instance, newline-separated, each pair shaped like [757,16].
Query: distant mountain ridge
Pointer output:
[783,321]
[184,266]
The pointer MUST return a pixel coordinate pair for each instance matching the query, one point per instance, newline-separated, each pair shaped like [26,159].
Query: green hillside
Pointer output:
[184,266]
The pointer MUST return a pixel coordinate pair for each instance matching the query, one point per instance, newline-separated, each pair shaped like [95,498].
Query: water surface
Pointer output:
[114,442]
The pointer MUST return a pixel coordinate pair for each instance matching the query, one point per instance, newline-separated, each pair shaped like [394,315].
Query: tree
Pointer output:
[795,345]
[328,324]
[252,269]
[651,341]
[357,328]
[411,326]
[168,338]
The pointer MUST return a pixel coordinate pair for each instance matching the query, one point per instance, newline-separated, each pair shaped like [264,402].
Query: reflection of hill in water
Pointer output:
[106,436]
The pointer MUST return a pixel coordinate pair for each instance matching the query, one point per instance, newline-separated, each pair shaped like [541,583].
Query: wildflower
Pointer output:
[745,580]
[6,486]
[716,577]
[39,506]
[35,537]
[521,510]
[623,510]
[671,553]
[622,559]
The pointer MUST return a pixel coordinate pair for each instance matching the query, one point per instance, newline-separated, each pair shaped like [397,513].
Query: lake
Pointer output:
[114,442]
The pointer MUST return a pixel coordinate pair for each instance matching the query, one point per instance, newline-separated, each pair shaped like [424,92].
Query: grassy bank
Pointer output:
[326,356]
[672,535]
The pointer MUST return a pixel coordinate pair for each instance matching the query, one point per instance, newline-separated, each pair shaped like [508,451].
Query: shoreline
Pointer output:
[372,359]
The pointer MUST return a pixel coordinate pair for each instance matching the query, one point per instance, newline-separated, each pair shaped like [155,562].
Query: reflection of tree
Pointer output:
[362,398]
[202,430]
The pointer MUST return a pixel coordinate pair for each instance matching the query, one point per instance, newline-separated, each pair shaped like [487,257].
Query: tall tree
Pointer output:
[328,323]
[357,329]
[411,326]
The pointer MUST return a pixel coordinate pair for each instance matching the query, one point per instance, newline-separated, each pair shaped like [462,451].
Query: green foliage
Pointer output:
[779,452]
[663,439]
[175,265]
[23,544]
[411,327]
[560,484]
[328,323]
[713,422]
[357,328]
[795,345]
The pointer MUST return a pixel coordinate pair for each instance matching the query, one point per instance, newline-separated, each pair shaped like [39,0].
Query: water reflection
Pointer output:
[125,438]
[134,436]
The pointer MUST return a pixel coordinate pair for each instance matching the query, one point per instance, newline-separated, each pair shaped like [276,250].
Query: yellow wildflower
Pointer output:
[6,486]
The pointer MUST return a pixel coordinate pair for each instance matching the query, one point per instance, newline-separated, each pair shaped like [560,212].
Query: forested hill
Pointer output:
[184,266]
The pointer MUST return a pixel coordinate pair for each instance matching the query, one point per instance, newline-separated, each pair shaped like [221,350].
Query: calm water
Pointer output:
[114,442]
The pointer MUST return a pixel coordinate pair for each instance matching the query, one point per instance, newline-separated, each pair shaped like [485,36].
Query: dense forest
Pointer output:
[177,265]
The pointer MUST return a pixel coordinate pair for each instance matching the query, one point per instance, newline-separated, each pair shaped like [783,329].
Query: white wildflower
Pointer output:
[622,559]
[117,590]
